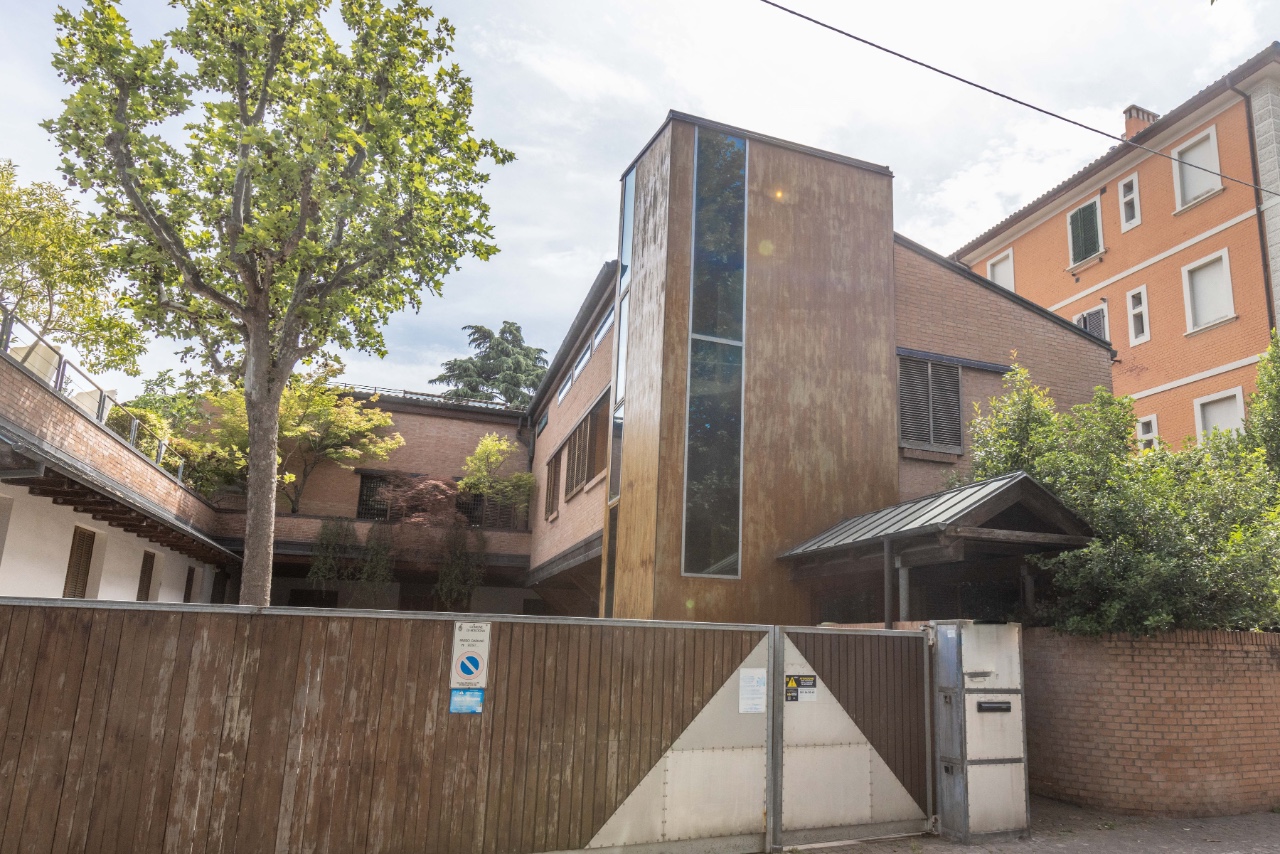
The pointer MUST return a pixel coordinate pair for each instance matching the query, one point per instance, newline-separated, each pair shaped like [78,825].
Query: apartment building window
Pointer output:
[713,438]
[371,504]
[1094,321]
[585,451]
[145,576]
[1139,326]
[78,563]
[551,501]
[542,425]
[189,589]
[581,365]
[1195,169]
[1148,433]
[1221,411]
[1000,269]
[1206,286]
[1130,204]
[564,388]
[1084,232]
[929,410]
[603,329]
[624,311]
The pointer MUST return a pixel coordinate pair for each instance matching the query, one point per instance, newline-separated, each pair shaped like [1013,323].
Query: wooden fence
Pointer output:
[135,728]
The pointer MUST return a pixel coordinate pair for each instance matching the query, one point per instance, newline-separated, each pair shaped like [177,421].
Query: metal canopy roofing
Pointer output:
[919,516]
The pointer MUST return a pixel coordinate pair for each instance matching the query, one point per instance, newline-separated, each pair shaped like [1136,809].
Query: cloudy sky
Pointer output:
[576,87]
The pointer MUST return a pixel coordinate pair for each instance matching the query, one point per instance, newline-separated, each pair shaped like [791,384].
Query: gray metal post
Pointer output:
[904,591]
[889,582]
[774,707]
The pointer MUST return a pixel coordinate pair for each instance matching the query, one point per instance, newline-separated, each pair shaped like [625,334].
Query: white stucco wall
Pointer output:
[35,542]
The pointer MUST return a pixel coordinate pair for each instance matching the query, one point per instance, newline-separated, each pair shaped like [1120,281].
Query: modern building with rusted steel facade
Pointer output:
[766,360]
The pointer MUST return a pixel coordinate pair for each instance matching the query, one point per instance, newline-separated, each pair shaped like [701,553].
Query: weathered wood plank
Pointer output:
[18,702]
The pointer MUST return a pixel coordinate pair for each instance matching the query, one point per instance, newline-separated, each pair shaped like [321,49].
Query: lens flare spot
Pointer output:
[766,247]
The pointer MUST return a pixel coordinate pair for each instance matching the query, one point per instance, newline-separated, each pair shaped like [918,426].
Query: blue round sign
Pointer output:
[469,665]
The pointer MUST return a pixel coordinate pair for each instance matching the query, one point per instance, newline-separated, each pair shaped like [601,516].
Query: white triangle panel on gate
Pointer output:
[710,783]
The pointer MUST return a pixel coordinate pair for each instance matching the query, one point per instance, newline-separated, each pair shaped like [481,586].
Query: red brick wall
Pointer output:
[939,310]
[1184,723]
[35,408]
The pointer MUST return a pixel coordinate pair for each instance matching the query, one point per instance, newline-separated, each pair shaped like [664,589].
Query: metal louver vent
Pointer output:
[944,387]
[913,400]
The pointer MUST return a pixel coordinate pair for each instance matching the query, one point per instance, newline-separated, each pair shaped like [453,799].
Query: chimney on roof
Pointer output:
[1136,120]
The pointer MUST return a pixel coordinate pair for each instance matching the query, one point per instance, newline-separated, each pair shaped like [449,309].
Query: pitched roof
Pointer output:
[921,515]
[1117,152]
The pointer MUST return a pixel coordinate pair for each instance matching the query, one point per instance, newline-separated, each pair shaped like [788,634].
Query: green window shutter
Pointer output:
[1085,239]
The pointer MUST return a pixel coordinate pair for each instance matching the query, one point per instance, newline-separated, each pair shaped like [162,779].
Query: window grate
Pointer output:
[371,503]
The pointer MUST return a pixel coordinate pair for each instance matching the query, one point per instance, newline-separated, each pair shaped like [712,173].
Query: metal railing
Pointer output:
[26,348]
[422,395]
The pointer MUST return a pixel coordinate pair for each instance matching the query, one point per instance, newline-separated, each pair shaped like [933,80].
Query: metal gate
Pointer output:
[852,757]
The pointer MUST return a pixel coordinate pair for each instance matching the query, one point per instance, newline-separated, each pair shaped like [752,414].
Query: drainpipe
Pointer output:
[1257,201]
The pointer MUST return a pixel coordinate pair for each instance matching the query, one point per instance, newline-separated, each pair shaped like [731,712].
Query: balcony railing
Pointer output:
[482,513]
[422,395]
[27,349]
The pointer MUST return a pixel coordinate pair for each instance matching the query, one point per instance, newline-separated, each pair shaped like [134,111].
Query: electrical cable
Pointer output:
[1014,100]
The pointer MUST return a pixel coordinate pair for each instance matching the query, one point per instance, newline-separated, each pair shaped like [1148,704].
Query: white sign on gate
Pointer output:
[470,668]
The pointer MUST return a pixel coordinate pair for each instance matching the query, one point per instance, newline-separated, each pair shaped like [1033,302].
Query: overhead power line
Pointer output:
[1018,101]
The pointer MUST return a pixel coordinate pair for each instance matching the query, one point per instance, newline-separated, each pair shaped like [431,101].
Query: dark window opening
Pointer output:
[144,578]
[551,499]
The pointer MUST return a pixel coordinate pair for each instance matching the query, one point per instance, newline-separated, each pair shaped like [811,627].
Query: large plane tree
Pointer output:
[273,190]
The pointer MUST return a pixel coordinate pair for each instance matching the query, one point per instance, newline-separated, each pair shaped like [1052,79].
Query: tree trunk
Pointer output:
[262,393]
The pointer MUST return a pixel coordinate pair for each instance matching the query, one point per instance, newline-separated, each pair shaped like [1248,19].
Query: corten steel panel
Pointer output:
[820,405]
[879,680]
[645,395]
[145,728]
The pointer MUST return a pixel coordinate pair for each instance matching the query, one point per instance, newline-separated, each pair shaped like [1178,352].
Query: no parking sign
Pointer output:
[469,672]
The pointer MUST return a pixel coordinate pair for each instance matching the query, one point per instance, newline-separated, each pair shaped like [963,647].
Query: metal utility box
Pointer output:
[980,729]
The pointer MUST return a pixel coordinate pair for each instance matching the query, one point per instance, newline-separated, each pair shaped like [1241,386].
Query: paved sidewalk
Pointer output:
[1057,827]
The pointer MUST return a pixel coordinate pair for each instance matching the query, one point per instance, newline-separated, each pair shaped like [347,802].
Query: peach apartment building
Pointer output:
[1168,262]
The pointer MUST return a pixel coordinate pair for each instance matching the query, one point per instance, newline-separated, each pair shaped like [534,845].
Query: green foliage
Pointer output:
[1262,424]
[483,476]
[1185,539]
[503,370]
[53,274]
[318,423]
[339,555]
[462,562]
[320,186]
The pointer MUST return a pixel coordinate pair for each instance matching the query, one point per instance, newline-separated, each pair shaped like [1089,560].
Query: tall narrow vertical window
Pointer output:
[628,225]
[1130,204]
[144,577]
[551,499]
[1195,169]
[713,451]
[610,562]
[1084,232]
[1000,269]
[1139,323]
[78,564]
[189,590]
[615,455]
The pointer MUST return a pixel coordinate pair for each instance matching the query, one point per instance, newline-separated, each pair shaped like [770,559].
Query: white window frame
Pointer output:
[1155,430]
[1135,340]
[602,329]
[1106,318]
[1137,202]
[1186,289]
[1096,201]
[1199,402]
[564,389]
[1008,253]
[581,365]
[1180,204]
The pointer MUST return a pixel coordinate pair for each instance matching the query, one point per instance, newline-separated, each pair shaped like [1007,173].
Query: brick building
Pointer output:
[765,359]
[1169,263]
